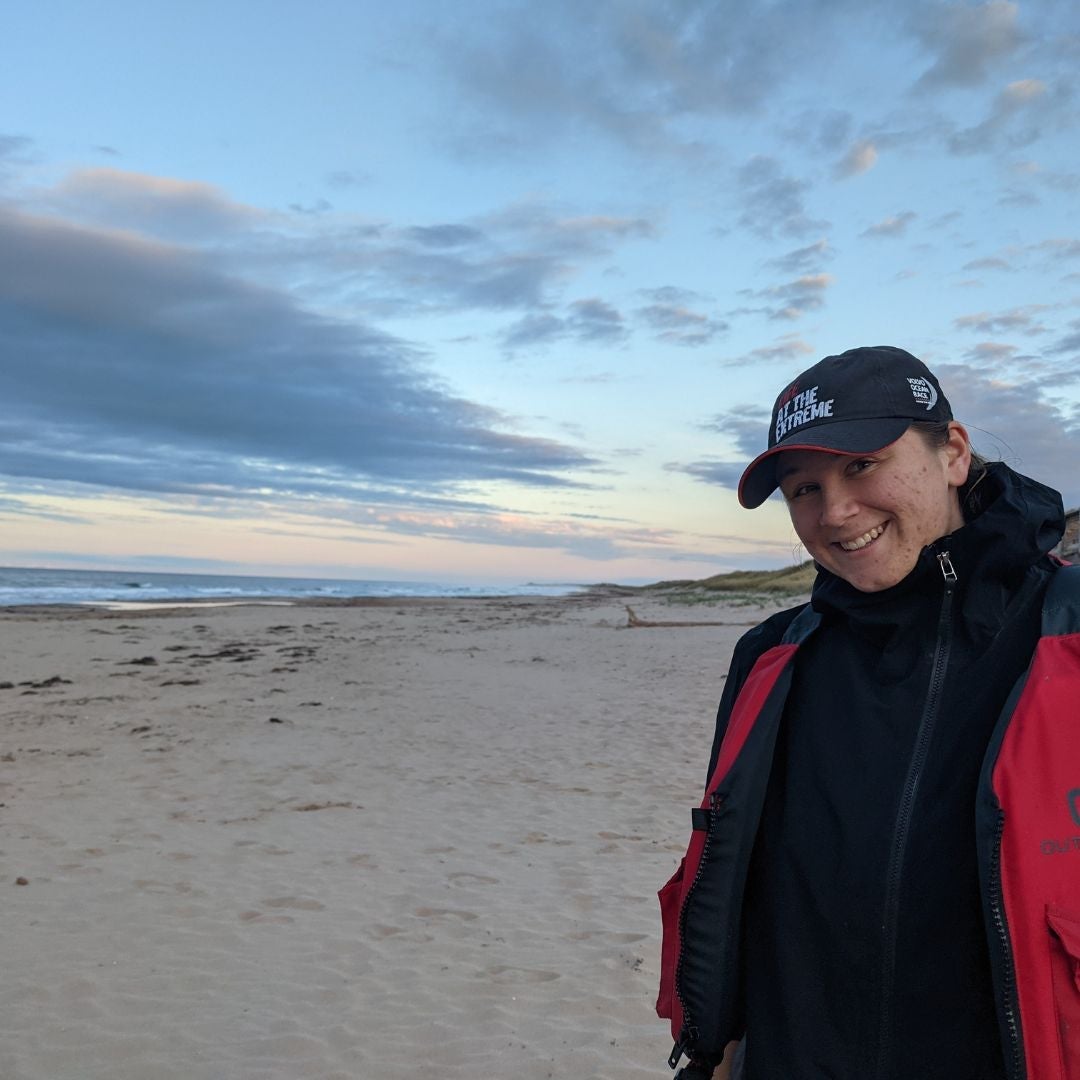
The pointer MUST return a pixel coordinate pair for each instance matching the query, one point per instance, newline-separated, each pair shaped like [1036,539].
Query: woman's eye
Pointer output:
[802,489]
[862,463]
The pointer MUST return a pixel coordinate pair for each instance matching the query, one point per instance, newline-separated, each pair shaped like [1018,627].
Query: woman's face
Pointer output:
[866,517]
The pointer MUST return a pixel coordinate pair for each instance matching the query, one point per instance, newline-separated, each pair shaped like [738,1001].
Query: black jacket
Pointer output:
[864,942]
[863,948]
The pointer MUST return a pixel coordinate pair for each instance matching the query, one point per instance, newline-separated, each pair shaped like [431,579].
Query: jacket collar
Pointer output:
[1017,521]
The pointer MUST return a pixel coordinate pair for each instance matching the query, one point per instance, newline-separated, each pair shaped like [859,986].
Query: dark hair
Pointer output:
[936,434]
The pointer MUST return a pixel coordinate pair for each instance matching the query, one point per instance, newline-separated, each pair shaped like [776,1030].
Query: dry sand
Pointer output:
[354,842]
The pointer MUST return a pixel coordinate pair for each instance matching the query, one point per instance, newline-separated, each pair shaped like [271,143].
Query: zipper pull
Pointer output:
[947,570]
[677,1051]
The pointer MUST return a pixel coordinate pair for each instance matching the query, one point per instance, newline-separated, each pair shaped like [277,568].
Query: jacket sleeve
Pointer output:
[750,646]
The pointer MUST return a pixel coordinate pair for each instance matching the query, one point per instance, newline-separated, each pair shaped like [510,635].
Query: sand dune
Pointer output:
[346,841]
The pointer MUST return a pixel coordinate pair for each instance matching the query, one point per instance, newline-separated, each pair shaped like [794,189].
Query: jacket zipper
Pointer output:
[890,915]
[688,1034]
[1008,968]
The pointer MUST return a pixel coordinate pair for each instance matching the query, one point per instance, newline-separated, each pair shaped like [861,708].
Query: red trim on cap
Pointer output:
[800,446]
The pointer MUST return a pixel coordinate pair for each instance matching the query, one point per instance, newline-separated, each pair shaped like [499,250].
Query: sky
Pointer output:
[503,292]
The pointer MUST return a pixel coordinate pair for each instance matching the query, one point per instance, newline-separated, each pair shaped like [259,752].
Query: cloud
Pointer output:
[638,73]
[14,146]
[1059,247]
[591,321]
[1058,181]
[1019,199]
[533,330]
[160,206]
[821,130]
[14,151]
[585,536]
[789,347]
[1069,345]
[772,201]
[891,226]
[542,231]
[444,236]
[862,156]
[992,352]
[346,178]
[519,258]
[746,426]
[803,260]
[15,506]
[990,262]
[1010,413]
[319,206]
[672,294]
[596,320]
[1017,98]
[1017,320]
[679,324]
[515,258]
[793,299]
[135,365]
[967,41]
[948,218]
[725,474]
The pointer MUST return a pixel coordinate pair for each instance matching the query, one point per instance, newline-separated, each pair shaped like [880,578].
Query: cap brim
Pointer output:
[844,437]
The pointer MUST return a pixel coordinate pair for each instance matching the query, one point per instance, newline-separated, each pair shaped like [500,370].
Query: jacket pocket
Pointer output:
[1064,929]
[670,902]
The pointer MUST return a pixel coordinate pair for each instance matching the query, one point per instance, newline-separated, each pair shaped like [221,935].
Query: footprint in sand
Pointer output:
[167,888]
[465,878]
[260,917]
[516,974]
[612,936]
[299,902]
[386,931]
[436,913]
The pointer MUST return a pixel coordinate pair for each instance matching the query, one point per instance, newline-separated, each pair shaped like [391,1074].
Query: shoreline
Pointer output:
[675,593]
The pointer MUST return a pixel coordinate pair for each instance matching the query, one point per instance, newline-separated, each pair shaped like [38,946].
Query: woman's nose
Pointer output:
[837,505]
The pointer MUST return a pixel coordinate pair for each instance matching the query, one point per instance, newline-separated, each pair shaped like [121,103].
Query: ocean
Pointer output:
[27,585]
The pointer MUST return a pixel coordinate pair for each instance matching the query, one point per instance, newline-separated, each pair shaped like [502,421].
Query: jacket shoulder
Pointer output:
[1061,603]
[749,647]
[763,637]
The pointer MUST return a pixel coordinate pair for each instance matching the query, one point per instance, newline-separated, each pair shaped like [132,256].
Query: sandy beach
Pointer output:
[346,842]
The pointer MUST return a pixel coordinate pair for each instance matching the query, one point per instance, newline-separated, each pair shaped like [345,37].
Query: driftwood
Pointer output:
[633,621]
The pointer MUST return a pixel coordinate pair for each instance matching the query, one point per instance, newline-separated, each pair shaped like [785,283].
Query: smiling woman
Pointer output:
[867,517]
[855,901]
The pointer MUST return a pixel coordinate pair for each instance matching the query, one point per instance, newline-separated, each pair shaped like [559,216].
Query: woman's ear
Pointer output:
[957,451]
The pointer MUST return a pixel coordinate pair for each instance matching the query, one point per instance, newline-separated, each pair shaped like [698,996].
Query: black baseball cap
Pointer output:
[857,402]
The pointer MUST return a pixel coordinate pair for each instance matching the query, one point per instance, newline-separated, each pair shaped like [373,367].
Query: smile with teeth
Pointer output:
[861,541]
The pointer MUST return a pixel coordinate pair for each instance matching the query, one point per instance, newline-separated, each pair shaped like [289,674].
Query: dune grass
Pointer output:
[741,587]
[738,587]
[788,581]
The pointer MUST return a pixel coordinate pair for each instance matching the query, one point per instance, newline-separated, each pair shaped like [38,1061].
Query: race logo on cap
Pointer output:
[922,390]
